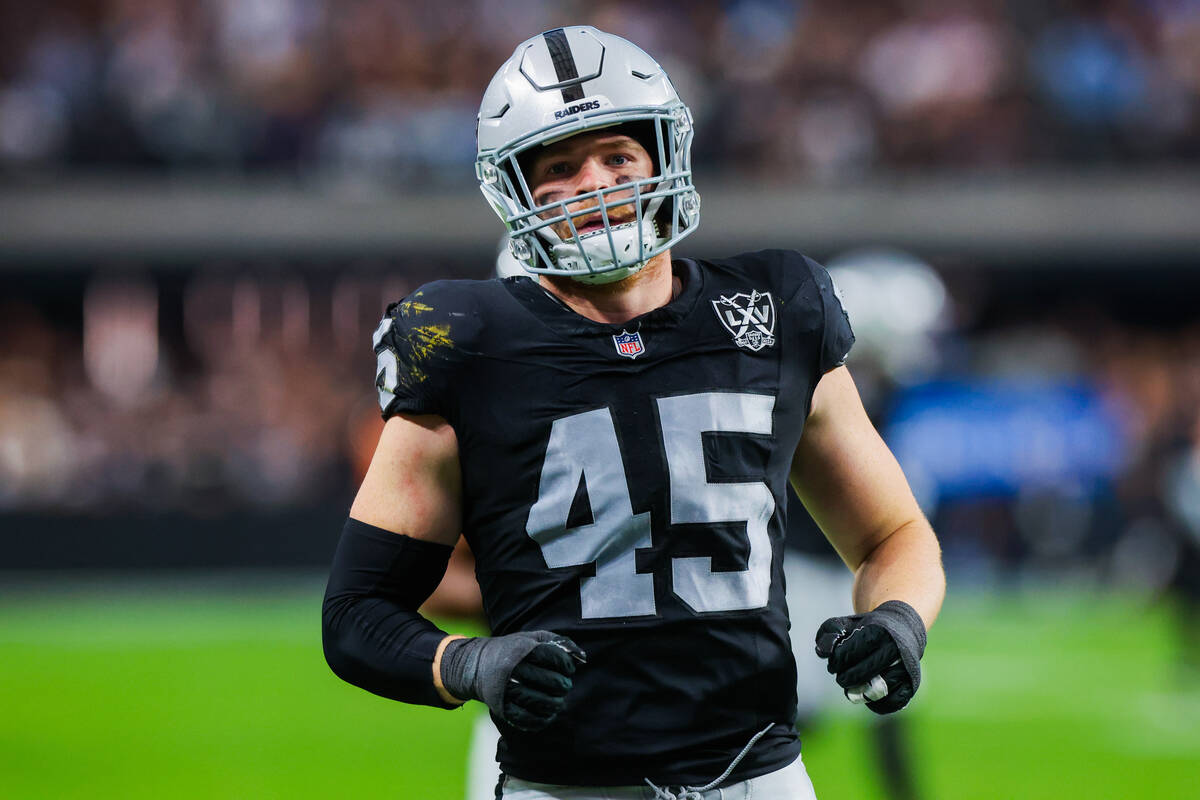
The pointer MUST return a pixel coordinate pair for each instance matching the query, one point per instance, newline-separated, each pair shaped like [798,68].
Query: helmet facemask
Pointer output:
[665,205]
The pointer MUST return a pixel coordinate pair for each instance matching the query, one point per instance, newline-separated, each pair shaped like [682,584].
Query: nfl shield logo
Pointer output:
[749,317]
[629,344]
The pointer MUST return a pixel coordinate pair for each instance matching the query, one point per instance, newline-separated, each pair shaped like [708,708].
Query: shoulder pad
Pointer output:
[422,344]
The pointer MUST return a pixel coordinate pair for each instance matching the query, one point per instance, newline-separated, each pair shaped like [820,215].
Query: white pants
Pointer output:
[482,769]
[789,783]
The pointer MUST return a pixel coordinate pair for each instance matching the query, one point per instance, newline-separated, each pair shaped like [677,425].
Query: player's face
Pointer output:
[586,163]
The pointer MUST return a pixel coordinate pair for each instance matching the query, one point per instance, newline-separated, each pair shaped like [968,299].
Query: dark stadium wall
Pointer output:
[290,538]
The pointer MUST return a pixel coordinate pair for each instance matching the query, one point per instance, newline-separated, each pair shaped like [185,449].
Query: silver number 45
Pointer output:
[584,447]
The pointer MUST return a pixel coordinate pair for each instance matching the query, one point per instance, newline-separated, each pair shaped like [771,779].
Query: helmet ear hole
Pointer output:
[521,162]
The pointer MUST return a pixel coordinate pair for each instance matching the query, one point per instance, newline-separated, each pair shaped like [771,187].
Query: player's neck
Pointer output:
[651,287]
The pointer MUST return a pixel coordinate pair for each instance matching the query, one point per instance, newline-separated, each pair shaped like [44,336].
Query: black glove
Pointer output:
[523,677]
[888,642]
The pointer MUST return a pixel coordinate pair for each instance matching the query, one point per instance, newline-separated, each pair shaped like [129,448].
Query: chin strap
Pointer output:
[697,792]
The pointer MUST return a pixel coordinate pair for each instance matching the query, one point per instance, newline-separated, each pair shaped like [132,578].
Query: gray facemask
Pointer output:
[569,81]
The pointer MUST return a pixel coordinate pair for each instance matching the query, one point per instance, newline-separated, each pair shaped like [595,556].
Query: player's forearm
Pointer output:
[372,634]
[384,648]
[907,566]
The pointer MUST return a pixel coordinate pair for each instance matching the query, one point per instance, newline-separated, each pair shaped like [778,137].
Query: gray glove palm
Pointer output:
[522,677]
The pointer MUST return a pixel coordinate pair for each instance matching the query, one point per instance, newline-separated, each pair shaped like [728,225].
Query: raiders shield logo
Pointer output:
[749,317]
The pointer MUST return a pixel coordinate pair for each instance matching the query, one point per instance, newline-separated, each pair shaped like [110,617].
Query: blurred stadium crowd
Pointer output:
[818,87]
[221,391]
[232,393]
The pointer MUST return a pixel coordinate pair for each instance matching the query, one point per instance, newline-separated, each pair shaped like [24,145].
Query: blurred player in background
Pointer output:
[615,440]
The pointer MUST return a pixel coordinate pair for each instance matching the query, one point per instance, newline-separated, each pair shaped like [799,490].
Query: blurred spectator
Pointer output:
[941,76]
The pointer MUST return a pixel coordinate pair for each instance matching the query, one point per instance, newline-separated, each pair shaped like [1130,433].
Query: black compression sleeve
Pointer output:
[373,636]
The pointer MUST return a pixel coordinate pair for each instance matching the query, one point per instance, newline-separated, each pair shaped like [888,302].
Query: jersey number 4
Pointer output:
[584,448]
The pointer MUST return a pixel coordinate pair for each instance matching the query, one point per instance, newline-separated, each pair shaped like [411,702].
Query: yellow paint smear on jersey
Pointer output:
[413,307]
[425,341]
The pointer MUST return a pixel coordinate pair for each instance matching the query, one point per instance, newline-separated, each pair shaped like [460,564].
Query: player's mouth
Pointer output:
[588,224]
[596,223]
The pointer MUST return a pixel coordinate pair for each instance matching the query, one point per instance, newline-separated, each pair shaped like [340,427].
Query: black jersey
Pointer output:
[624,485]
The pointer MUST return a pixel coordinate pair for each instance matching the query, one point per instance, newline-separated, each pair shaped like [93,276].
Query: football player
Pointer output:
[614,439]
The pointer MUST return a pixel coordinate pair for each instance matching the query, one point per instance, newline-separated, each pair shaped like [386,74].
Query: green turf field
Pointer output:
[220,690]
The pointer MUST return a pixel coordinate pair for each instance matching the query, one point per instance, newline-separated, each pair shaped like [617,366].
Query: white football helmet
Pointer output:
[564,82]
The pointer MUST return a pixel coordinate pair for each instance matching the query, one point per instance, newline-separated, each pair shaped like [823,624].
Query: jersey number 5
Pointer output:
[584,448]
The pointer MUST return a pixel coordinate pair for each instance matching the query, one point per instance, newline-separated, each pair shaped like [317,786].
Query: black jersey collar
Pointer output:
[559,316]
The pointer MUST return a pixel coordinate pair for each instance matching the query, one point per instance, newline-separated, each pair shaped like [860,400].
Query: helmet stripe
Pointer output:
[564,63]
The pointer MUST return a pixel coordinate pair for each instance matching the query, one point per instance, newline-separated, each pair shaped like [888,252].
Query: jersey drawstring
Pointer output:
[697,792]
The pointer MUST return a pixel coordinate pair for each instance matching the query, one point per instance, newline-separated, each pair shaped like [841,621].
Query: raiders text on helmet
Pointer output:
[564,82]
